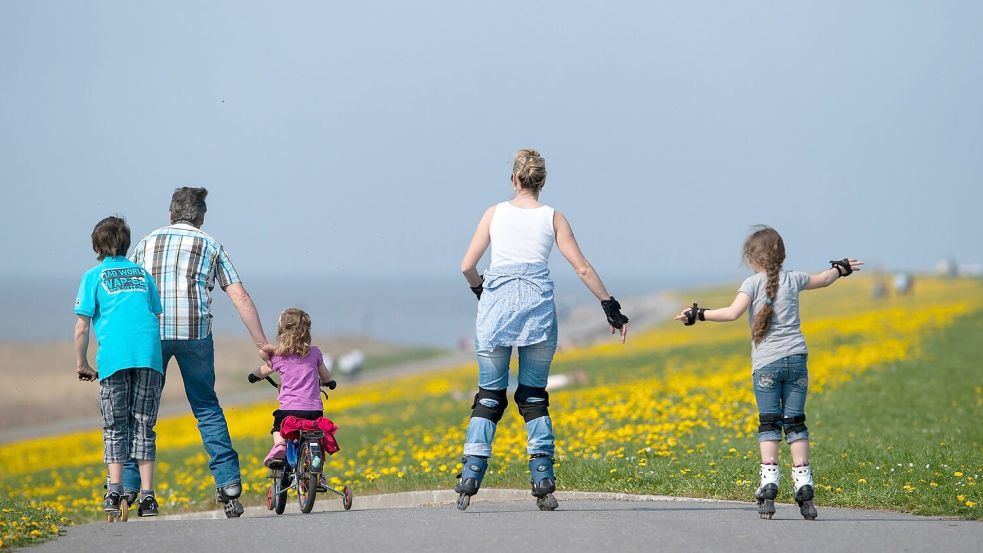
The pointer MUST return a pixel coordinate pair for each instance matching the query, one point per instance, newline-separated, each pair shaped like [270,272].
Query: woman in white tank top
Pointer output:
[516,309]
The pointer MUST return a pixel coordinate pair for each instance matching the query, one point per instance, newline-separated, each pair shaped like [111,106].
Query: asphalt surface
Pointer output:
[497,527]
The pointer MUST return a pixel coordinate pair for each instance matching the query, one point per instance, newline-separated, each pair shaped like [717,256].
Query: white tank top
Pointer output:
[521,235]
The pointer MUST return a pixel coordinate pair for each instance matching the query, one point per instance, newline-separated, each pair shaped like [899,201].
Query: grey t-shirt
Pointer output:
[784,336]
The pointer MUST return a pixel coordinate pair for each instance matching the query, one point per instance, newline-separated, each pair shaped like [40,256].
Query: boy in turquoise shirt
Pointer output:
[121,301]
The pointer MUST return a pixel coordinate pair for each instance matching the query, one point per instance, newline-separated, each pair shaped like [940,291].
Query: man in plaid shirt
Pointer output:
[185,262]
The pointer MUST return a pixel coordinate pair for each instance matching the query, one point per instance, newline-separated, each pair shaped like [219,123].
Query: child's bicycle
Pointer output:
[301,470]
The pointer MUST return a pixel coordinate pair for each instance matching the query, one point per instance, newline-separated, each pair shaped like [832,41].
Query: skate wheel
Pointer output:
[463,501]
[124,510]
[547,502]
[233,509]
[346,498]
[808,510]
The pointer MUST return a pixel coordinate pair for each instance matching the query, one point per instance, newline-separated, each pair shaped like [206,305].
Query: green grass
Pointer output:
[22,523]
[896,425]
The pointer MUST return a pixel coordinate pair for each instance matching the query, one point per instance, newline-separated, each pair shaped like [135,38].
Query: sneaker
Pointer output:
[276,455]
[148,507]
[112,502]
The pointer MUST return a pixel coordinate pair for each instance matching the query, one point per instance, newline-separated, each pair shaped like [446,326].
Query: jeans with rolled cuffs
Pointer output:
[780,388]
[493,374]
[196,360]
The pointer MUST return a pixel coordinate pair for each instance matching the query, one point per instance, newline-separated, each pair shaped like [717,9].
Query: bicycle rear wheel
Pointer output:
[306,479]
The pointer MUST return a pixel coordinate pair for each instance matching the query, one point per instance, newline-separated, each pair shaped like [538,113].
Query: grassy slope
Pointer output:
[914,423]
[897,413]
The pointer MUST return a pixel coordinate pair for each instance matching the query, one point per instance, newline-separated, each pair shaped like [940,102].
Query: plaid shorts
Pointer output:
[129,400]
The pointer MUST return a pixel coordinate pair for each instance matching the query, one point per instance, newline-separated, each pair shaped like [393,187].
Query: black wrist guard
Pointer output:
[612,309]
[477,289]
[693,313]
[253,378]
[842,266]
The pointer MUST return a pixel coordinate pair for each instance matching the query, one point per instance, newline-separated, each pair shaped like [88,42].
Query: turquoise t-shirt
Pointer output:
[122,299]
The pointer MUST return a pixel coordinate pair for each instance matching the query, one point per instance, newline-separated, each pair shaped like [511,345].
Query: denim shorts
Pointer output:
[780,388]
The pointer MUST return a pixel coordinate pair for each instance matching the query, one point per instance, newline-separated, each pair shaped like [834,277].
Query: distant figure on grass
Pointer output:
[302,373]
[186,262]
[121,299]
[778,358]
[516,309]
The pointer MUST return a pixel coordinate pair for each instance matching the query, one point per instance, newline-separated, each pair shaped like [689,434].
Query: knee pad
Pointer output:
[532,402]
[794,424]
[489,404]
[768,422]
[230,492]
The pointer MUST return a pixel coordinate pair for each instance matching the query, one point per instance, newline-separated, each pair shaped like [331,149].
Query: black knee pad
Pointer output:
[768,422]
[794,424]
[532,409]
[489,404]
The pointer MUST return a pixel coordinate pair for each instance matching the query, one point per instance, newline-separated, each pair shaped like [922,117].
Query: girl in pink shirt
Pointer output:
[302,370]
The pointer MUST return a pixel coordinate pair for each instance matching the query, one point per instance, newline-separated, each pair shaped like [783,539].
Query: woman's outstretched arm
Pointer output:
[479,243]
[566,242]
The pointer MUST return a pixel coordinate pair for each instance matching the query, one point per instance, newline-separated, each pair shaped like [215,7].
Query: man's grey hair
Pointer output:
[188,205]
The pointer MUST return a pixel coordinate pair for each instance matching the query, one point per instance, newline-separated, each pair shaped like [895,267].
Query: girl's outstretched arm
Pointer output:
[724,314]
[479,243]
[831,275]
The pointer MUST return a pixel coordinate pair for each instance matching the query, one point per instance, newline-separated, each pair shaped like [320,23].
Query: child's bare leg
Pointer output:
[800,452]
[278,439]
[146,474]
[769,452]
[116,473]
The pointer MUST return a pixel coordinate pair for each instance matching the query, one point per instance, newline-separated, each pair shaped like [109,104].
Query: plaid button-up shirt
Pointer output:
[185,262]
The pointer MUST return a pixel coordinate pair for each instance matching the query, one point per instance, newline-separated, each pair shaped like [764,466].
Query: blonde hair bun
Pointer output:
[529,169]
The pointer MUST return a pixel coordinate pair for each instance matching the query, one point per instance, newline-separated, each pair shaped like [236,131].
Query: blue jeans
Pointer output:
[780,388]
[493,374]
[196,359]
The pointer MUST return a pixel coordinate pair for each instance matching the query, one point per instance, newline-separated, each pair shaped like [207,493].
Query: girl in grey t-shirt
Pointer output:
[778,358]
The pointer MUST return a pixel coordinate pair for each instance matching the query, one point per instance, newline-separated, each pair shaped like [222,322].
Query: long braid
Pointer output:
[762,318]
[765,249]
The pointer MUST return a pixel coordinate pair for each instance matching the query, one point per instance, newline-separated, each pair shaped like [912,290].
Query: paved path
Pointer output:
[580,525]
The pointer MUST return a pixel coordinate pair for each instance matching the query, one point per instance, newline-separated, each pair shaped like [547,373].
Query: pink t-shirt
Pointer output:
[299,382]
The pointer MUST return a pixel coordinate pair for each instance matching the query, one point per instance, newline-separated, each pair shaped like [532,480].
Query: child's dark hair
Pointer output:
[111,237]
[765,250]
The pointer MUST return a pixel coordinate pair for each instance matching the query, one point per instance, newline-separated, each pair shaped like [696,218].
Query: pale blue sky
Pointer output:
[367,137]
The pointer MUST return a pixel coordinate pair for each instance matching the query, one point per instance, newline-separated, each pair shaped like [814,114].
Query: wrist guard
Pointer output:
[842,267]
[477,289]
[253,378]
[612,310]
[694,313]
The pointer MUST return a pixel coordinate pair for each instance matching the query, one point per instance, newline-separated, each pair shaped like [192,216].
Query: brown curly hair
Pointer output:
[764,250]
[293,333]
